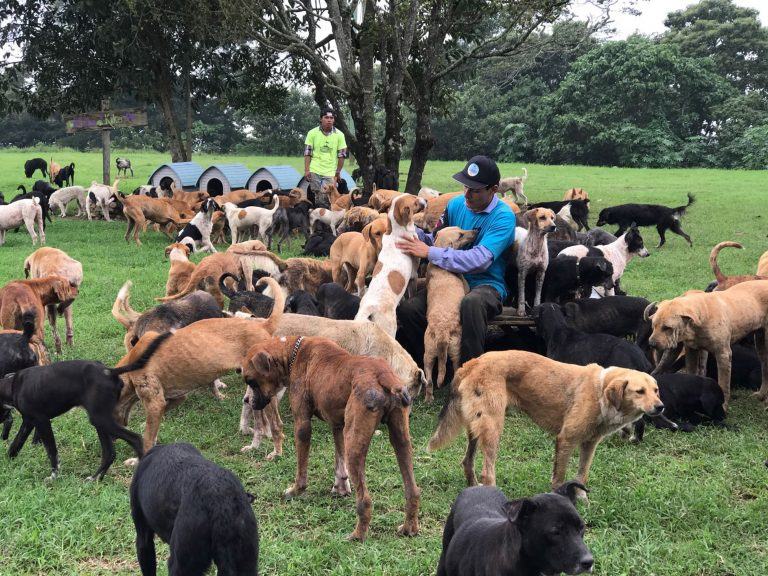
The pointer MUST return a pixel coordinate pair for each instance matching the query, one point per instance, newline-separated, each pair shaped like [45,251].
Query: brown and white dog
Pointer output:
[711,322]
[580,404]
[45,262]
[724,282]
[353,394]
[165,380]
[394,269]
[181,268]
[353,255]
[532,254]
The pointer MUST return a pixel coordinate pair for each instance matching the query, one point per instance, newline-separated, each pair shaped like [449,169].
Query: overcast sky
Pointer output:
[653,13]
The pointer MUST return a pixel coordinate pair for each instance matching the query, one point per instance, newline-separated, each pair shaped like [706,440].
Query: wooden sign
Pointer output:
[106,120]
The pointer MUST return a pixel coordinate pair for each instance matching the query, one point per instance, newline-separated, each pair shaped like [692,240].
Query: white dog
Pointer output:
[394,268]
[244,218]
[325,216]
[22,211]
[101,195]
[428,193]
[64,196]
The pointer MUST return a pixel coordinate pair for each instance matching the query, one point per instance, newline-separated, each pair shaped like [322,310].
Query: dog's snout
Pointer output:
[644,253]
[586,563]
[657,409]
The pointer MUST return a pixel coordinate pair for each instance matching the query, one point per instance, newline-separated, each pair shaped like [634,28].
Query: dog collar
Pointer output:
[294,352]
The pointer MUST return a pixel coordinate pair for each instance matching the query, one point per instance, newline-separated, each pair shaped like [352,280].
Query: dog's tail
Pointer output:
[680,210]
[525,175]
[28,319]
[193,284]
[277,309]
[121,309]
[450,421]
[713,259]
[223,287]
[22,188]
[142,360]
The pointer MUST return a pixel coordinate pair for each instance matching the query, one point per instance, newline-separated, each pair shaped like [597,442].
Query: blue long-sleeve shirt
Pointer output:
[482,263]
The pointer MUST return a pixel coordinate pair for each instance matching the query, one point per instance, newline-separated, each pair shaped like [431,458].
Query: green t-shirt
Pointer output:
[325,150]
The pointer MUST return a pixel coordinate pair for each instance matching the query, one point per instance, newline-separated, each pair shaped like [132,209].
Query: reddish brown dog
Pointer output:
[354,394]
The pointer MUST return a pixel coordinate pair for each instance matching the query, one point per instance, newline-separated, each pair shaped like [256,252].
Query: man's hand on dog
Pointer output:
[413,247]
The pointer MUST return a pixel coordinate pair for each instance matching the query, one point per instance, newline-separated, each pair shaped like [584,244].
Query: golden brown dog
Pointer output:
[139,210]
[580,404]
[48,261]
[435,208]
[209,348]
[357,218]
[724,282]
[353,394]
[762,265]
[711,322]
[214,266]
[353,255]
[381,199]
[181,268]
[532,253]
[236,196]
[576,194]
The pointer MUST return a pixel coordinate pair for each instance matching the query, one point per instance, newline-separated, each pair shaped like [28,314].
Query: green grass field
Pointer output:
[677,505]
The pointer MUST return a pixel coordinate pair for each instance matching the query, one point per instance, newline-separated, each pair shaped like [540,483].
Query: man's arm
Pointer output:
[477,259]
[307,154]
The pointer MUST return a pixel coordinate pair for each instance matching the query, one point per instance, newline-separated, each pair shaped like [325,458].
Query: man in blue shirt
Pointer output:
[482,265]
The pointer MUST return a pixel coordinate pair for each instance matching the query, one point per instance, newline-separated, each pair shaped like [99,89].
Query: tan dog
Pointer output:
[580,404]
[139,210]
[724,282]
[762,265]
[353,394]
[513,205]
[381,199]
[532,253]
[515,185]
[181,268]
[294,273]
[445,290]
[711,322]
[337,200]
[247,247]
[435,208]
[576,194]
[53,170]
[45,262]
[357,218]
[236,196]
[209,348]
[353,255]
[214,266]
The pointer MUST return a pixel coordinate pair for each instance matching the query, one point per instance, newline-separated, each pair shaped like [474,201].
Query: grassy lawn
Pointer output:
[677,505]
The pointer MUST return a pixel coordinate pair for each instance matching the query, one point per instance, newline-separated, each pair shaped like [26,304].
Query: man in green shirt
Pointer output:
[324,151]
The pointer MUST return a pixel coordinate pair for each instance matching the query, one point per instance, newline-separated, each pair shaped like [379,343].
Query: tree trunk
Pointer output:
[421,147]
[165,95]
[189,117]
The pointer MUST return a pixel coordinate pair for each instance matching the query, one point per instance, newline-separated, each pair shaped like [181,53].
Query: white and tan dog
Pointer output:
[101,195]
[394,268]
[244,218]
[64,196]
[326,216]
[27,212]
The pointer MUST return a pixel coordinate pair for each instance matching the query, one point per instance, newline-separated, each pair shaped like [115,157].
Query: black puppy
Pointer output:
[35,164]
[200,509]
[619,316]
[579,210]
[663,217]
[257,303]
[298,218]
[688,400]
[41,393]
[486,534]
[336,303]
[16,353]
[568,277]
[65,175]
[44,187]
[567,344]
[302,302]
[319,244]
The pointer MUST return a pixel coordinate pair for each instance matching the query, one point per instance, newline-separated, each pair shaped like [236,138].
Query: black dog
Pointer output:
[16,353]
[566,344]
[620,316]
[302,302]
[257,303]
[688,400]
[486,534]
[663,217]
[298,218]
[40,195]
[200,509]
[336,303]
[65,175]
[568,277]
[554,247]
[35,164]
[579,210]
[319,243]
[44,187]
[41,393]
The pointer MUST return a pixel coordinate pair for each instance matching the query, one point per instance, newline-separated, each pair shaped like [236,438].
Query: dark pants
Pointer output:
[483,303]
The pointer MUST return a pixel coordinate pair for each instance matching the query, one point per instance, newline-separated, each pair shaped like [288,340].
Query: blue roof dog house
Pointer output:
[273,178]
[351,184]
[222,178]
[184,174]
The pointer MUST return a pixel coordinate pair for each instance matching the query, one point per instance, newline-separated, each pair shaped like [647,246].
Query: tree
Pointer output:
[76,52]
[731,36]
[629,103]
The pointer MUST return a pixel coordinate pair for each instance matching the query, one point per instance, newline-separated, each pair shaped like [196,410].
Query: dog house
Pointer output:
[351,184]
[273,178]
[184,174]
[222,178]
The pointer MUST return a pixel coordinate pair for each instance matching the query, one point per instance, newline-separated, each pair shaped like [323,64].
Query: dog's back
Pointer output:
[335,302]
[199,508]
[177,313]
[687,396]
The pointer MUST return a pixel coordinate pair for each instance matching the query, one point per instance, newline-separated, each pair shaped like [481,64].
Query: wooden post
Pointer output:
[105,145]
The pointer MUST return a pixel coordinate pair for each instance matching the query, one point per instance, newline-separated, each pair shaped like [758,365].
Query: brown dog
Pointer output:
[532,253]
[576,194]
[209,348]
[139,210]
[435,208]
[354,394]
[580,404]
[381,199]
[711,322]
[353,255]
[181,268]
[357,218]
[724,282]
[762,265]
[215,266]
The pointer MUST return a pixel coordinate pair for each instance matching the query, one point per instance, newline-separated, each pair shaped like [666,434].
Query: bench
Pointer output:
[509,318]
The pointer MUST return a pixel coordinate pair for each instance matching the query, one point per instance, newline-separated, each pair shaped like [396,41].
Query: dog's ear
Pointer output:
[614,391]
[262,362]
[63,290]
[168,250]
[570,490]
[517,510]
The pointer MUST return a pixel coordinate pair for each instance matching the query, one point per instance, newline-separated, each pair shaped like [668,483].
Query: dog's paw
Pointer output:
[292,492]
[247,448]
[272,455]
[342,488]
[52,477]
[131,462]
[356,536]
[408,529]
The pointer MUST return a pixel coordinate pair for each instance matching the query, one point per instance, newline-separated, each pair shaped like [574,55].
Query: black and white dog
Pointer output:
[197,233]
[41,393]
[123,164]
[487,534]
[200,509]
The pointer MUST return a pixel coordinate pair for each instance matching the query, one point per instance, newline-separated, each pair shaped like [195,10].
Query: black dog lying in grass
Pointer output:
[487,534]
[41,393]
[198,508]
[663,217]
